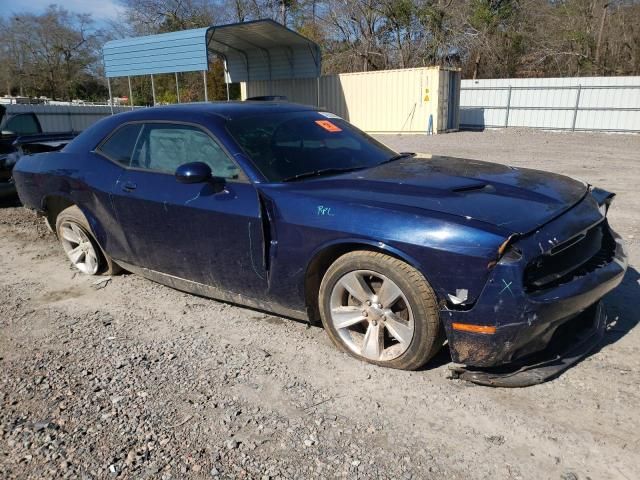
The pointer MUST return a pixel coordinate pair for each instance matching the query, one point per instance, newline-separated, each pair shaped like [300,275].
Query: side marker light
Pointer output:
[466,327]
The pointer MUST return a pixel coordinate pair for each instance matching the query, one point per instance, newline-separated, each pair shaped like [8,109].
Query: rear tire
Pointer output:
[81,247]
[381,310]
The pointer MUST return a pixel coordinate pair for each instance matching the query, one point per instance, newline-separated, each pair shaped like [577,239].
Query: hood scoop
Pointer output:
[482,187]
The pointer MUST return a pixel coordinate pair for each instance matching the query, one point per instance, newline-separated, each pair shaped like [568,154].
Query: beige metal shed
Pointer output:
[412,100]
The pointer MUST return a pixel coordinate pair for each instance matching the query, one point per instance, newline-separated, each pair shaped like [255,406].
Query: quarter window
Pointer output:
[119,146]
[164,147]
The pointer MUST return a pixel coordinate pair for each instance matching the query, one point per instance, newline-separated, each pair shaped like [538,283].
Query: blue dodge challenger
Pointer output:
[285,208]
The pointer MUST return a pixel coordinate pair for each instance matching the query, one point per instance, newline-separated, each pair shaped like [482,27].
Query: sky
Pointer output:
[101,10]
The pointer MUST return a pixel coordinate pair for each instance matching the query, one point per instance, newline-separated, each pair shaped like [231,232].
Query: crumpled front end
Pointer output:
[542,281]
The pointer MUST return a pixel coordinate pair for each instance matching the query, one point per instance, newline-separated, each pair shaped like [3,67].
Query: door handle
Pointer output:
[129,186]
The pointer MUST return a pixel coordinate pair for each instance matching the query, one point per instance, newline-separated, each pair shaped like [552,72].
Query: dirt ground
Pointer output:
[131,379]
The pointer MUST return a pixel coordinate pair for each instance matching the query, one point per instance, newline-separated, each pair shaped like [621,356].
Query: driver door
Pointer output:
[190,231]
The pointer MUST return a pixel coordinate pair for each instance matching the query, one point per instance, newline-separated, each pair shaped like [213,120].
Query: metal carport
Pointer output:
[257,50]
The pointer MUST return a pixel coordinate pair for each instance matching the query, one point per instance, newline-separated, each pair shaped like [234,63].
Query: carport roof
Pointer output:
[257,50]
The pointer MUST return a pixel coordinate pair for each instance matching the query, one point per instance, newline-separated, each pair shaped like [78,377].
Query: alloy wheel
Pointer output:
[79,248]
[371,315]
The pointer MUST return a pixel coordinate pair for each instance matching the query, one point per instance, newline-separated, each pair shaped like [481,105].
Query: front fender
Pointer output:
[354,243]
[452,253]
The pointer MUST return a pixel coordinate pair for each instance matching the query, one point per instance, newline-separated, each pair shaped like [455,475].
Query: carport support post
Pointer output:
[110,97]
[130,93]
[506,117]
[575,110]
[226,78]
[153,90]
[204,77]
[177,88]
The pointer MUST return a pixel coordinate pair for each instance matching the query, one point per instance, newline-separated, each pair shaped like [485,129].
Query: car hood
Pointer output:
[516,200]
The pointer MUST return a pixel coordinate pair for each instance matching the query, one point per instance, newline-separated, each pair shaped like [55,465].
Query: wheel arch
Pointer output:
[54,204]
[324,256]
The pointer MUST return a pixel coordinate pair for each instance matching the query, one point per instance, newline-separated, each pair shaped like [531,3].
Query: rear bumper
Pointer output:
[525,322]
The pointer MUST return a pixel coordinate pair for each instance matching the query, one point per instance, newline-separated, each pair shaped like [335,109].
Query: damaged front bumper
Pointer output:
[522,316]
[571,343]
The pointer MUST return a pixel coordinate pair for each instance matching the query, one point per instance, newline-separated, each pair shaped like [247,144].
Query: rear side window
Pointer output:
[119,146]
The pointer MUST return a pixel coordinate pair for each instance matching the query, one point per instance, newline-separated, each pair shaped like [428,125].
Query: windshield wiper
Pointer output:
[399,156]
[322,171]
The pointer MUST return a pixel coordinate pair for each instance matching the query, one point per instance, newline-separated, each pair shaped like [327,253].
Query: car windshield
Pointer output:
[288,146]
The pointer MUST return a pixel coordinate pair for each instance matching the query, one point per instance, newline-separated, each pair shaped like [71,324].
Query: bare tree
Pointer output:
[486,38]
[153,16]
[57,53]
[51,52]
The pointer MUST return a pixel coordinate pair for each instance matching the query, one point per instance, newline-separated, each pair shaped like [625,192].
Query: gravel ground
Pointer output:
[131,379]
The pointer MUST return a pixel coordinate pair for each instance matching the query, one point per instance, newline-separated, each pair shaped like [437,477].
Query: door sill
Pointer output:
[209,291]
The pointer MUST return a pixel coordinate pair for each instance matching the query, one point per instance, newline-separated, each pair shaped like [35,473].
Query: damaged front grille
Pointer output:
[571,259]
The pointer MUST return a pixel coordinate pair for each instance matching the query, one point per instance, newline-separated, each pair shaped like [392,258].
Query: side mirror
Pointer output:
[194,172]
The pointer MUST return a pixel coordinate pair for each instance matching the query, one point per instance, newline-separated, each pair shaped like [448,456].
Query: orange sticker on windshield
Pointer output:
[329,126]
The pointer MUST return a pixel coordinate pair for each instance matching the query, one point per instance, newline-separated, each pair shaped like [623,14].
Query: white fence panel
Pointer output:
[582,103]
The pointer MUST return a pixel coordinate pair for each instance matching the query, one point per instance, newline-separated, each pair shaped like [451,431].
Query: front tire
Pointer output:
[380,309]
[82,249]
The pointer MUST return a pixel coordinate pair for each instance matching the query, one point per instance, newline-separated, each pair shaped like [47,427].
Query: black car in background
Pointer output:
[22,134]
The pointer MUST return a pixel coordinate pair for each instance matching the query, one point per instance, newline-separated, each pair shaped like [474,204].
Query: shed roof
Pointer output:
[257,50]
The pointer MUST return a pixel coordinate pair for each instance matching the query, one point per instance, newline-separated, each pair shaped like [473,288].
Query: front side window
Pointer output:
[163,147]
[288,145]
[119,146]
